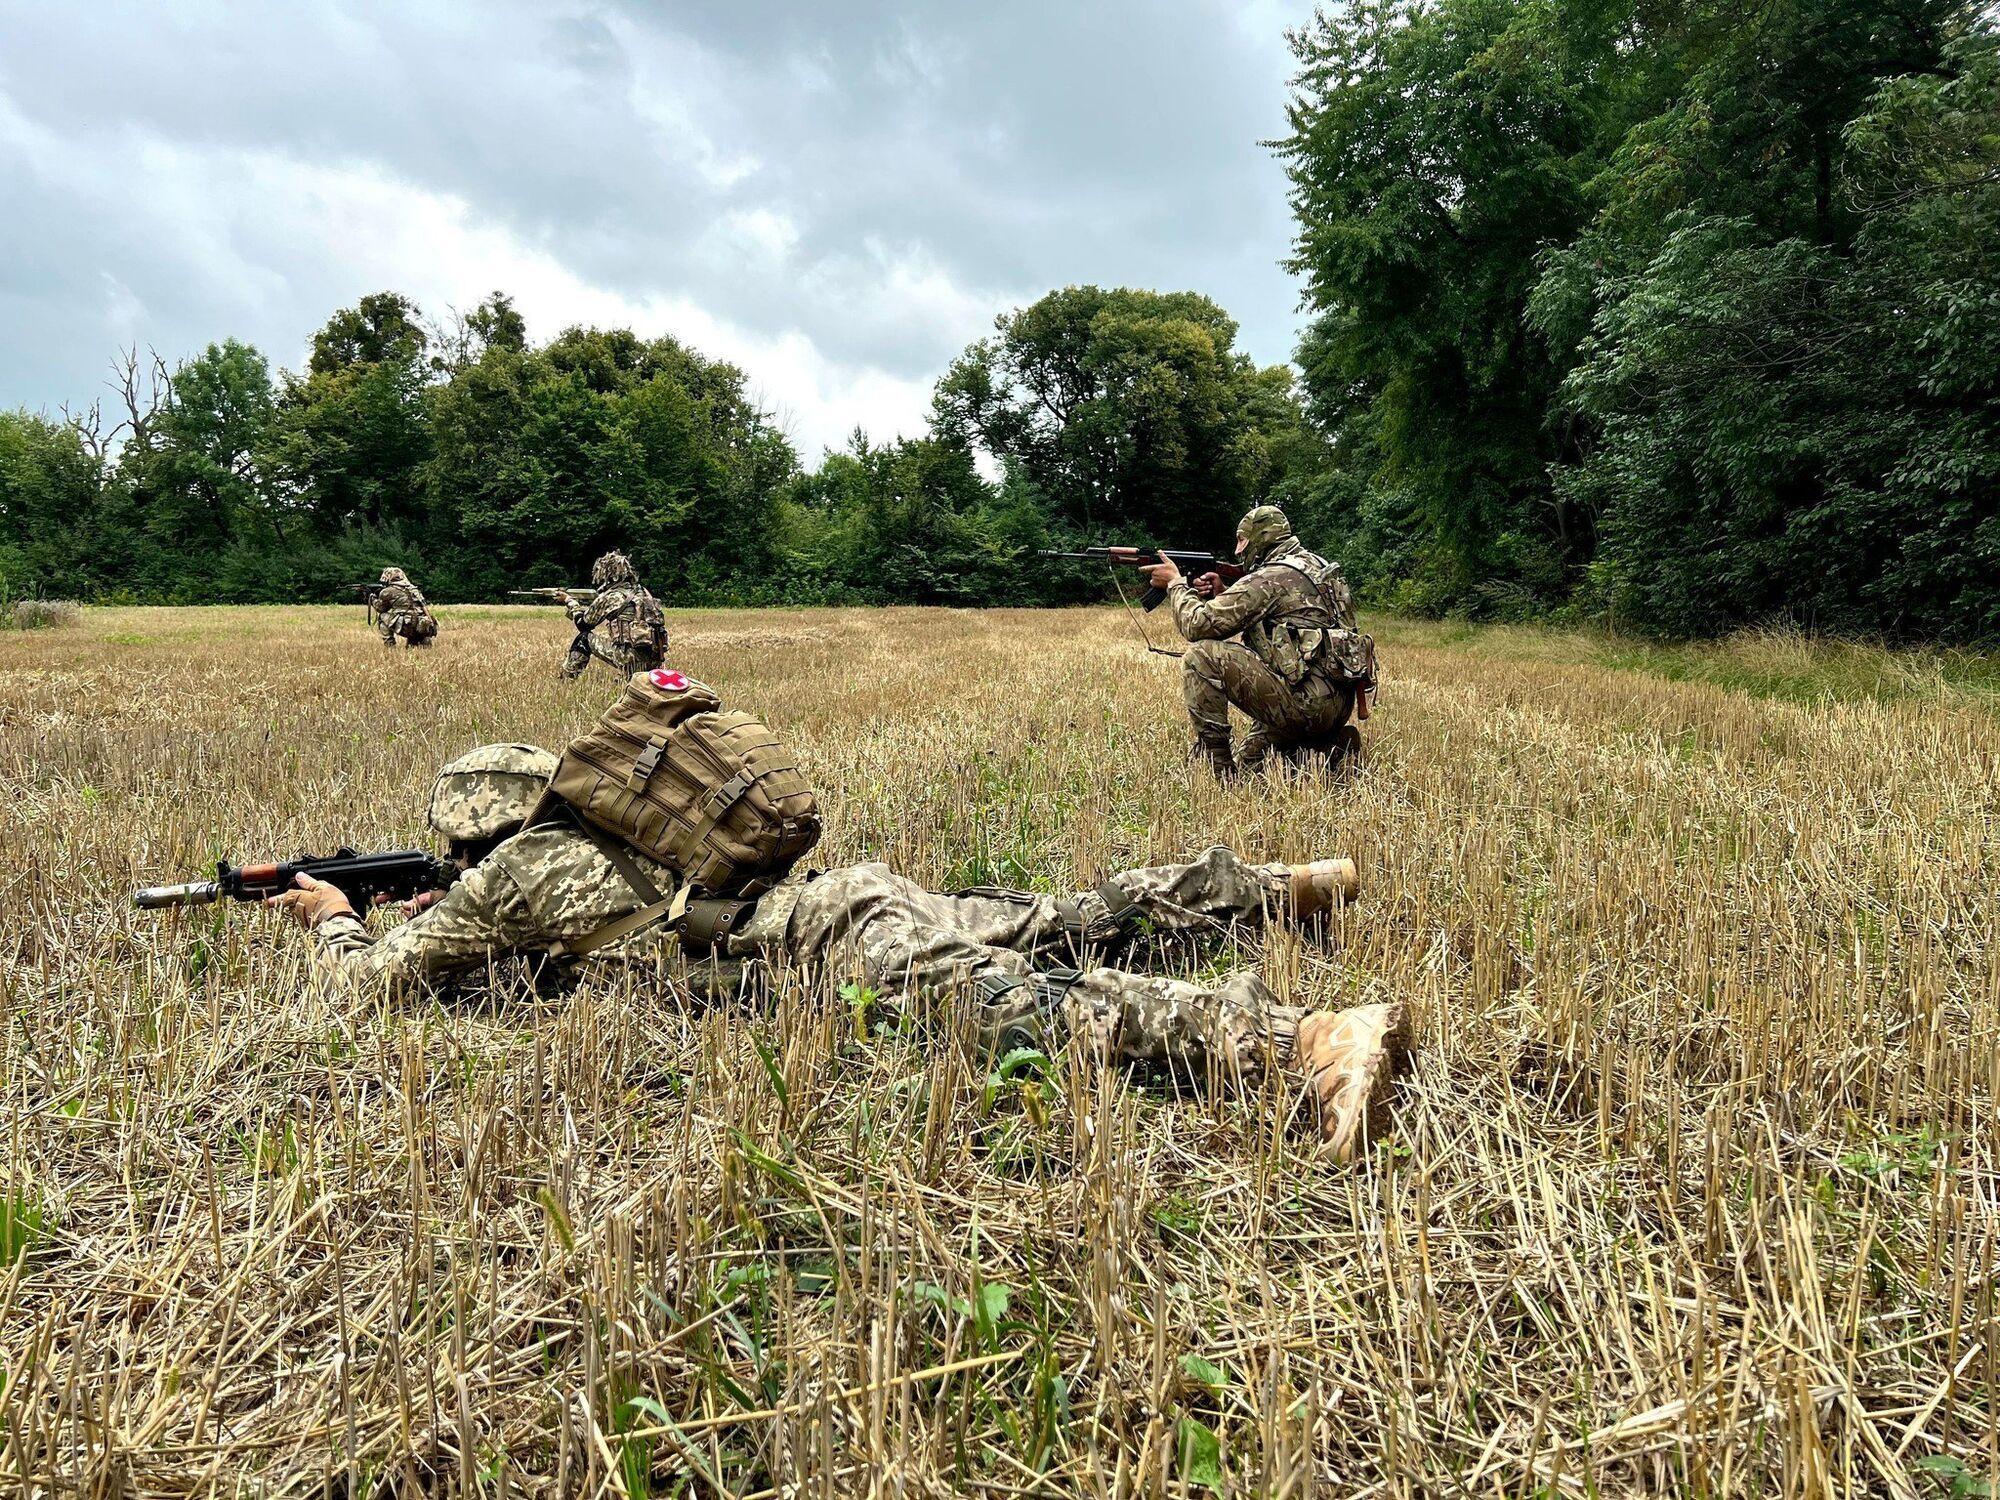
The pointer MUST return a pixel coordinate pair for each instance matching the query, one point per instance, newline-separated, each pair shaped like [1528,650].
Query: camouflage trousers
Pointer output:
[625,660]
[1027,963]
[406,625]
[1217,676]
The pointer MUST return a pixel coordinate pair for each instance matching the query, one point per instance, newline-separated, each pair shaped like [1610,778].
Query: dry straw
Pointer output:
[1693,1188]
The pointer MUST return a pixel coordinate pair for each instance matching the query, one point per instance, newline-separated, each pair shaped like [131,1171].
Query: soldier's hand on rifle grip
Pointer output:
[422,901]
[312,902]
[1163,574]
[1208,585]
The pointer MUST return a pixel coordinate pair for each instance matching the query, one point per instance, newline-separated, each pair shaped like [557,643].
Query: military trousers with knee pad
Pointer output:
[1030,966]
[405,625]
[1217,676]
[624,660]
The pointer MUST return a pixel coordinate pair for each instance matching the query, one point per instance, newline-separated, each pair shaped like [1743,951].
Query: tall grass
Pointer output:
[1693,1187]
[39,614]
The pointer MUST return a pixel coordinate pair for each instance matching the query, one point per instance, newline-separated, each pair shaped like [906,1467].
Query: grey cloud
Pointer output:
[875,177]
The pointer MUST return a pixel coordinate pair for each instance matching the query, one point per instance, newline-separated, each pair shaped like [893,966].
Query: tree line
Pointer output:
[482,462]
[1684,313]
[1672,313]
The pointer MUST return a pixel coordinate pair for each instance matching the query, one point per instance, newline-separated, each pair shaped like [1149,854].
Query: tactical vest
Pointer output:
[638,620]
[652,622]
[401,599]
[1296,639]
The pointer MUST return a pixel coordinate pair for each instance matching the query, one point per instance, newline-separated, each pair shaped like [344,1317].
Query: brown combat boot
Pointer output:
[1220,759]
[1312,890]
[1350,1059]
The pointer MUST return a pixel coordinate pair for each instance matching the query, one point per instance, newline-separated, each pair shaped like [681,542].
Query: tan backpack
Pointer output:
[714,796]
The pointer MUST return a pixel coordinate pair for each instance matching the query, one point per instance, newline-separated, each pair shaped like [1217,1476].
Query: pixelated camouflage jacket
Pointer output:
[1277,608]
[542,888]
[621,609]
[400,599]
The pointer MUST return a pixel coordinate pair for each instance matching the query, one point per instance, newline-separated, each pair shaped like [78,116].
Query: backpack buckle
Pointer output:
[646,763]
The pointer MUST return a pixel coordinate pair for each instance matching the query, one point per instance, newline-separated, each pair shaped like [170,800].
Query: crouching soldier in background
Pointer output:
[1033,968]
[401,611]
[633,628]
[1300,666]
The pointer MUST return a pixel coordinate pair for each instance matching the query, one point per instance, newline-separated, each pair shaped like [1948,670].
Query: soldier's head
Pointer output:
[394,575]
[613,567]
[1258,532]
[485,796]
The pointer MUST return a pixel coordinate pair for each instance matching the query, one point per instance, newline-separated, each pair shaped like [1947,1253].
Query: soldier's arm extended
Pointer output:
[603,605]
[1231,612]
[482,916]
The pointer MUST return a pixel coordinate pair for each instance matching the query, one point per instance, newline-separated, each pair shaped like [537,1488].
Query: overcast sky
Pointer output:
[838,196]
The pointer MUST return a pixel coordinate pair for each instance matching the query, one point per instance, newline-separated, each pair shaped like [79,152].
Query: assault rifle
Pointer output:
[1194,566]
[554,596]
[362,878]
[369,592]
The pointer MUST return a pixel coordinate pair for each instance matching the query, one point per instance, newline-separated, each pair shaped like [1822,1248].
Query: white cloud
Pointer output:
[252,226]
[836,197]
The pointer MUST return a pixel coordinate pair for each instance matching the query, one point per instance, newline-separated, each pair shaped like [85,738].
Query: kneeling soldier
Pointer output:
[634,637]
[401,611]
[1300,664]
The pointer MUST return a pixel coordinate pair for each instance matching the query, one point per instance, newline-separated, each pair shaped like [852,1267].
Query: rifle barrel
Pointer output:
[195,893]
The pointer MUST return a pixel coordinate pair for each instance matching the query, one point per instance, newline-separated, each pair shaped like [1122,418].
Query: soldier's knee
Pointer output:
[848,898]
[1091,1011]
[1204,659]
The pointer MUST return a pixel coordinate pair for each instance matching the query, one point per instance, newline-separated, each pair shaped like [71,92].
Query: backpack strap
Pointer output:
[673,907]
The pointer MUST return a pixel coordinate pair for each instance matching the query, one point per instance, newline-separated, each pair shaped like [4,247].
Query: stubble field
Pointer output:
[1693,1186]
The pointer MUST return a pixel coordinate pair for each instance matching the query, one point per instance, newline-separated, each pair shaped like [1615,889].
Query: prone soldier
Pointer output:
[1034,968]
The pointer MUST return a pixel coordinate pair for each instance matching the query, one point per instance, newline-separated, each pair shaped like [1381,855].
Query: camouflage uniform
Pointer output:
[401,612]
[1028,965]
[1295,616]
[1011,952]
[635,633]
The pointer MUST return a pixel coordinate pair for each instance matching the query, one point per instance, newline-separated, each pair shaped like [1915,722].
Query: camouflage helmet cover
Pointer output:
[394,575]
[613,567]
[1261,529]
[488,791]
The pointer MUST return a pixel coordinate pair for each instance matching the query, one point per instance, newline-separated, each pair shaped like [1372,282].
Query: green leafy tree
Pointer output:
[195,480]
[52,536]
[382,327]
[545,458]
[351,434]
[1807,430]
[1434,152]
[910,522]
[1131,412]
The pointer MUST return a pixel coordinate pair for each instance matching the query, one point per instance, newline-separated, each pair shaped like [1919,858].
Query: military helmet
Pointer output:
[394,575]
[1261,529]
[487,792]
[613,567]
